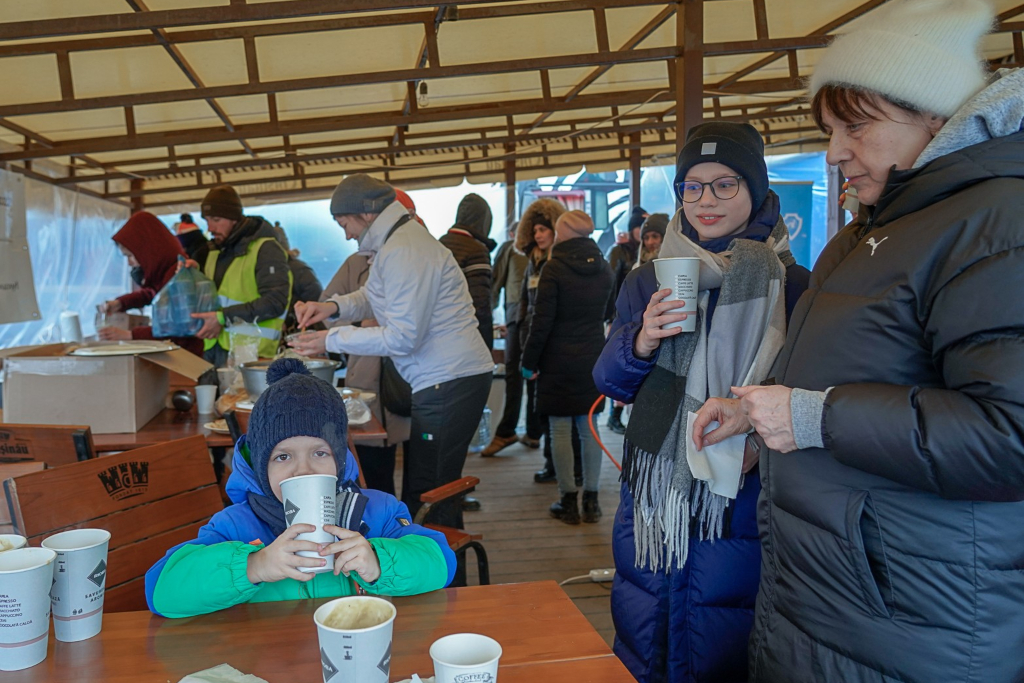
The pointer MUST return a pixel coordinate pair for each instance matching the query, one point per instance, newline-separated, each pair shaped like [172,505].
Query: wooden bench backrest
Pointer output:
[149,499]
[53,444]
[8,471]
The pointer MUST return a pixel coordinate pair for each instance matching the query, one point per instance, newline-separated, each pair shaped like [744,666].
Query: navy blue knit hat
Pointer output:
[637,217]
[736,145]
[295,404]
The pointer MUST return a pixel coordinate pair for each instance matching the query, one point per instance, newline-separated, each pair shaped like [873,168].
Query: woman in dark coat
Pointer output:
[470,245]
[565,339]
[893,506]
[686,616]
[152,253]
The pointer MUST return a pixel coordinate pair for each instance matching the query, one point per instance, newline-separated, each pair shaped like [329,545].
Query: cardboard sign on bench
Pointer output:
[111,394]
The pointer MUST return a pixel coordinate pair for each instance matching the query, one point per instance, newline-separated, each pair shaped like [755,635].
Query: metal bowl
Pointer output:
[254,374]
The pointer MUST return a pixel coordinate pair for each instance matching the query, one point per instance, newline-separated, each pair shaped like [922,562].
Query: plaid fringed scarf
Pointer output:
[747,332]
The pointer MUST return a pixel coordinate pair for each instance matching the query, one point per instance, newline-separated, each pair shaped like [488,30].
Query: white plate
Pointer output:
[124,348]
[218,427]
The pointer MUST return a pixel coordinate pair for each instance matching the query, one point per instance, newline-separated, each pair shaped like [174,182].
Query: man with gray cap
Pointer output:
[427,326]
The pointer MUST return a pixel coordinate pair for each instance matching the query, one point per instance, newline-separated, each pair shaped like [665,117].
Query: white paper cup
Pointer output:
[79,582]
[465,658]
[206,396]
[358,649]
[681,275]
[12,542]
[25,578]
[310,499]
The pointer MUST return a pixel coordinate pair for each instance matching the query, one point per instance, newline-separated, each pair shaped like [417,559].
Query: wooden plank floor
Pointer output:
[525,544]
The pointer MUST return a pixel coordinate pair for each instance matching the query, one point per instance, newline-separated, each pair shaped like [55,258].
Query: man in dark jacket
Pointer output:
[252,276]
[565,340]
[470,245]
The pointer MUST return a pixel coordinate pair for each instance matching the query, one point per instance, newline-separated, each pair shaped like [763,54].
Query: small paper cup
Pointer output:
[12,542]
[206,397]
[310,499]
[682,276]
[25,578]
[357,647]
[465,657]
[79,582]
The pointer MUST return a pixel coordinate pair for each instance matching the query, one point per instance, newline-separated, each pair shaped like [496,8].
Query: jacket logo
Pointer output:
[874,245]
[125,480]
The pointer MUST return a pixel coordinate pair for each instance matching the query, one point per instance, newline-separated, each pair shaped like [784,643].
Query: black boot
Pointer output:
[591,510]
[615,421]
[545,475]
[567,509]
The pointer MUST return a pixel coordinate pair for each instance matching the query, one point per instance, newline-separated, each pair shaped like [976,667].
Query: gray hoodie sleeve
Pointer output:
[273,284]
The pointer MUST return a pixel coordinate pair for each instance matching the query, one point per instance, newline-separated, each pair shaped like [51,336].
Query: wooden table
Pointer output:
[542,634]
[168,425]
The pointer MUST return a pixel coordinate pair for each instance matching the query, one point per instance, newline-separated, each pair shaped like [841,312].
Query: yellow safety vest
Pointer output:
[239,286]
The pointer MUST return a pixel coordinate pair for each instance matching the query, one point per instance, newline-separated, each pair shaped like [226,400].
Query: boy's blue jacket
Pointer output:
[209,573]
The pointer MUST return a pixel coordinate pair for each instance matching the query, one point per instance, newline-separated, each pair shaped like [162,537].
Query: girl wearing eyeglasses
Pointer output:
[688,559]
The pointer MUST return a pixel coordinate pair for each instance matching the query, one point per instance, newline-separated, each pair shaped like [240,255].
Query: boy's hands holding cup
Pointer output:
[655,318]
[278,560]
[353,554]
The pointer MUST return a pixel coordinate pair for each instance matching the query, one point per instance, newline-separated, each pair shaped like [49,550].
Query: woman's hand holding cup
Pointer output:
[353,553]
[278,561]
[655,318]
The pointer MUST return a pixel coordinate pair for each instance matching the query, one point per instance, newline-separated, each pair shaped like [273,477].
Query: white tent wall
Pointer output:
[74,262]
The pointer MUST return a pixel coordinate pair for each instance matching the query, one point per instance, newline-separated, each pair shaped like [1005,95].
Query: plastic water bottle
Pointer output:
[483,433]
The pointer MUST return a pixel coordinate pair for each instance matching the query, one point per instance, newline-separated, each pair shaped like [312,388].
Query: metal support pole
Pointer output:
[634,169]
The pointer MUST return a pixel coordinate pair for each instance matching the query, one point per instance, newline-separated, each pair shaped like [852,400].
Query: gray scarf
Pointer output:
[747,332]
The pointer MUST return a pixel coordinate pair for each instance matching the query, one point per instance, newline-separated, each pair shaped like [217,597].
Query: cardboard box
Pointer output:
[111,394]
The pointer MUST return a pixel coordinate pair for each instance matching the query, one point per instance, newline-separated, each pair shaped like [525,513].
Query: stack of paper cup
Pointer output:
[355,639]
[310,499]
[681,276]
[79,582]
[25,578]
[12,542]
[465,657]
[70,327]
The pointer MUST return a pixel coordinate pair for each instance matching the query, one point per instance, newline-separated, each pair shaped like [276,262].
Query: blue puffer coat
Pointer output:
[692,624]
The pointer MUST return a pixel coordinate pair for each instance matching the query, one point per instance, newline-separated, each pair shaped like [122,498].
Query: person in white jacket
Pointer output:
[427,326]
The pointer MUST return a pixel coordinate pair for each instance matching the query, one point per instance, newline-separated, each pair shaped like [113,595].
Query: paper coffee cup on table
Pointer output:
[206,397]
[310,499]
[681,275]
[25,578]
[465,657]
[11,542]
[355,639]
[79,582]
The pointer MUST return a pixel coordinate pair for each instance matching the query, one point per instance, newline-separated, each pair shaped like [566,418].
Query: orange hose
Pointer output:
[593,430]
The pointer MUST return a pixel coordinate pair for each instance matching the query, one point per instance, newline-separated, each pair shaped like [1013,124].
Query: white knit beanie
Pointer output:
[920,52]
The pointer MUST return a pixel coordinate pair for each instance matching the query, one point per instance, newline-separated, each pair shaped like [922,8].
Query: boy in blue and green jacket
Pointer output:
[298,427]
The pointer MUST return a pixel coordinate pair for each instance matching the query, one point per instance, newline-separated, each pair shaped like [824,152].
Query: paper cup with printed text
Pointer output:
[79,582]
[355,639]
[25,578]
[310,499]
[681,275]
[465,658]
[12,542]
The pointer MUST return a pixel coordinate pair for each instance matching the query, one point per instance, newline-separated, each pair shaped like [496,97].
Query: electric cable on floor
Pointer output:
[593,430]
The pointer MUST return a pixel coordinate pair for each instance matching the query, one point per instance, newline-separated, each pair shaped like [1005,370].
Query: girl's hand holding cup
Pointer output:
[279,561]
[353,553]
[655,318]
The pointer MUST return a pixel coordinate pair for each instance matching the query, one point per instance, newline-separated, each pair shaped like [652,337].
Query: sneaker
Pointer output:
[529,443]
[498,444]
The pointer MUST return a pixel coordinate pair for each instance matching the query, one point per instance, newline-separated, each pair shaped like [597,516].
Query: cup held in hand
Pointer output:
[310,499]
[355,639]
[682,276]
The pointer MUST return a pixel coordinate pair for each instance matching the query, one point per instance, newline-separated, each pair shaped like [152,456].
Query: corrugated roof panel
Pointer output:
[156,118]
[35,10]
[514,38]
[75,124]
[245,109]
[354,51]
[30,79]
[125,71]
[639,76]
[727,20]
[625,22]
[217,63]
[353,99]
[450,92]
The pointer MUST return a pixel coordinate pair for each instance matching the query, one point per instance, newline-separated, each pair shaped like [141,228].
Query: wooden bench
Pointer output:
[149,499]
[459,540]
[53,444]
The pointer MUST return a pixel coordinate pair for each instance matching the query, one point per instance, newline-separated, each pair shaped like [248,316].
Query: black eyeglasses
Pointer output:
[726,187]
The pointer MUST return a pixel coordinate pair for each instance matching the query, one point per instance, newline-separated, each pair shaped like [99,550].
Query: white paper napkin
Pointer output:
[720,465]
[222,673]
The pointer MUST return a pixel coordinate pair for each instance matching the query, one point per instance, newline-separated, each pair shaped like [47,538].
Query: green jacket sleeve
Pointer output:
[409,565]
[199,579]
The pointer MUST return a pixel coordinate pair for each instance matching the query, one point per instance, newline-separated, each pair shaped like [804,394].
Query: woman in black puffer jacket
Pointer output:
[566,337]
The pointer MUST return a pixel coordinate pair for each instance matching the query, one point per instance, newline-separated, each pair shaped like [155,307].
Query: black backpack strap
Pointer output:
[401,221]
